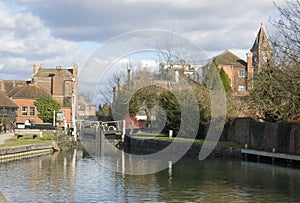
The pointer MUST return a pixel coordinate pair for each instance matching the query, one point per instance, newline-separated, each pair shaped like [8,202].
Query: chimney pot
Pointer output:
[35,69]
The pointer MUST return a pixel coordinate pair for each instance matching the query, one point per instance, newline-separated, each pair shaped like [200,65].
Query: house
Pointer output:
[240,72]
[24,97]
[62,85]
[8,112]
[236,69]
[58,83]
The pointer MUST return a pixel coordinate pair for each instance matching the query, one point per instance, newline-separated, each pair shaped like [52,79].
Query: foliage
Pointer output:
[217,78]
[46,107]
[276,94]
[218,81]
[104,111]
[226,81]
[276,88]
[172,109]
[146,98]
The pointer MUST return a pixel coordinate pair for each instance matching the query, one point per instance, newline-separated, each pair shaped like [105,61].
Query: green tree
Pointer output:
[170,105]
[226,81]
[104,110]
[46,107]
[276,94]
[217,78]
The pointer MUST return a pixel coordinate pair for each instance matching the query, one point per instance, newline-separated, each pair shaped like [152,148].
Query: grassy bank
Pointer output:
[46,138]
[180,139]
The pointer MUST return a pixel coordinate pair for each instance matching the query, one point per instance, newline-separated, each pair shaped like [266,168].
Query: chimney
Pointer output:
[249,69]
[35,69]
[75,70]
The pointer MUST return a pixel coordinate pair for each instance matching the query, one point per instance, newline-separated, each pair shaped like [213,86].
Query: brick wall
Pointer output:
[26,103]
[283,136]
[58,85]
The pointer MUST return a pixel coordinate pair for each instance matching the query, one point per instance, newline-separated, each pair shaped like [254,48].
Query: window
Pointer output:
[242,73]
[32,111]
[24,111]
[255,59]
[241,88]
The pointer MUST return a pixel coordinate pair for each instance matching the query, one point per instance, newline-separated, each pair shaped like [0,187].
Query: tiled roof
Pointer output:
[228,58]
[46,72]
[14,90]
[29,91]
[7,85]
[5,101]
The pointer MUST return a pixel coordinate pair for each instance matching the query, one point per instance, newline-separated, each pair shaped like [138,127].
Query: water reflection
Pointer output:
[73,177]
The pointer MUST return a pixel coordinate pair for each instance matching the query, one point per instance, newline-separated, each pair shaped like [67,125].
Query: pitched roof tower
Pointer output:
[262,50]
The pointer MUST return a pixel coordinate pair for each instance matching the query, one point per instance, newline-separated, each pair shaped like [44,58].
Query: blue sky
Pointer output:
[60,33]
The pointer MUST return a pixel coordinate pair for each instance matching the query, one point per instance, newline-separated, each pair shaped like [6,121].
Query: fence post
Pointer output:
[123,130]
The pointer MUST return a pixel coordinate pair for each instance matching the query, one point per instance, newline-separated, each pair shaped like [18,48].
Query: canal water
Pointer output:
[71,177]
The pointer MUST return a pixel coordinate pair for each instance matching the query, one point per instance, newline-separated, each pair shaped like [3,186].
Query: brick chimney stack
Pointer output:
[249,69]
[35,69]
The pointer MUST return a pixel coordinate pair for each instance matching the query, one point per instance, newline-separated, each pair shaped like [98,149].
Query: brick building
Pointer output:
[239,71]
[24,97]
[8,112]
[58,83]
[236,70]
[62,85]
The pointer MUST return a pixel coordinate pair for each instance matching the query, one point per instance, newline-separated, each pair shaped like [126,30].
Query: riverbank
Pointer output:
[144,146]
[137,145]
[13,147]
[26,151]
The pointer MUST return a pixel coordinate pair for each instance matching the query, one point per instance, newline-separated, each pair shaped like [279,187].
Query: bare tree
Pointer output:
[277,87]
[286,39]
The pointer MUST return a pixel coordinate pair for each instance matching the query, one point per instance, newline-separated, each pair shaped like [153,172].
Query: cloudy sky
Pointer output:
[68,31]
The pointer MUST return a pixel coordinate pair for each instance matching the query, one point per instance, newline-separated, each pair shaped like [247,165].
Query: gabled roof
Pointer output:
[228,58]
[29,91]
[6,102]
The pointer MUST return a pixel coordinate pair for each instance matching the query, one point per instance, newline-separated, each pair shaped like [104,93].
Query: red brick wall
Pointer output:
[26,103]
[68,116]
[233,74]
[58,85]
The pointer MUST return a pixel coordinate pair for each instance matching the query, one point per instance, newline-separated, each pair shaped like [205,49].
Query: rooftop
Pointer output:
[228,58]
[46,72]
[5,101]
[29,91]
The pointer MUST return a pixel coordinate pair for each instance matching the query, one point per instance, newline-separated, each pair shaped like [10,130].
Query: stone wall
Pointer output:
[283,136]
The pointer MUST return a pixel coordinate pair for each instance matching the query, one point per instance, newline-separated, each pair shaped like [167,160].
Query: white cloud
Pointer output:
[25,40]
[55,32]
